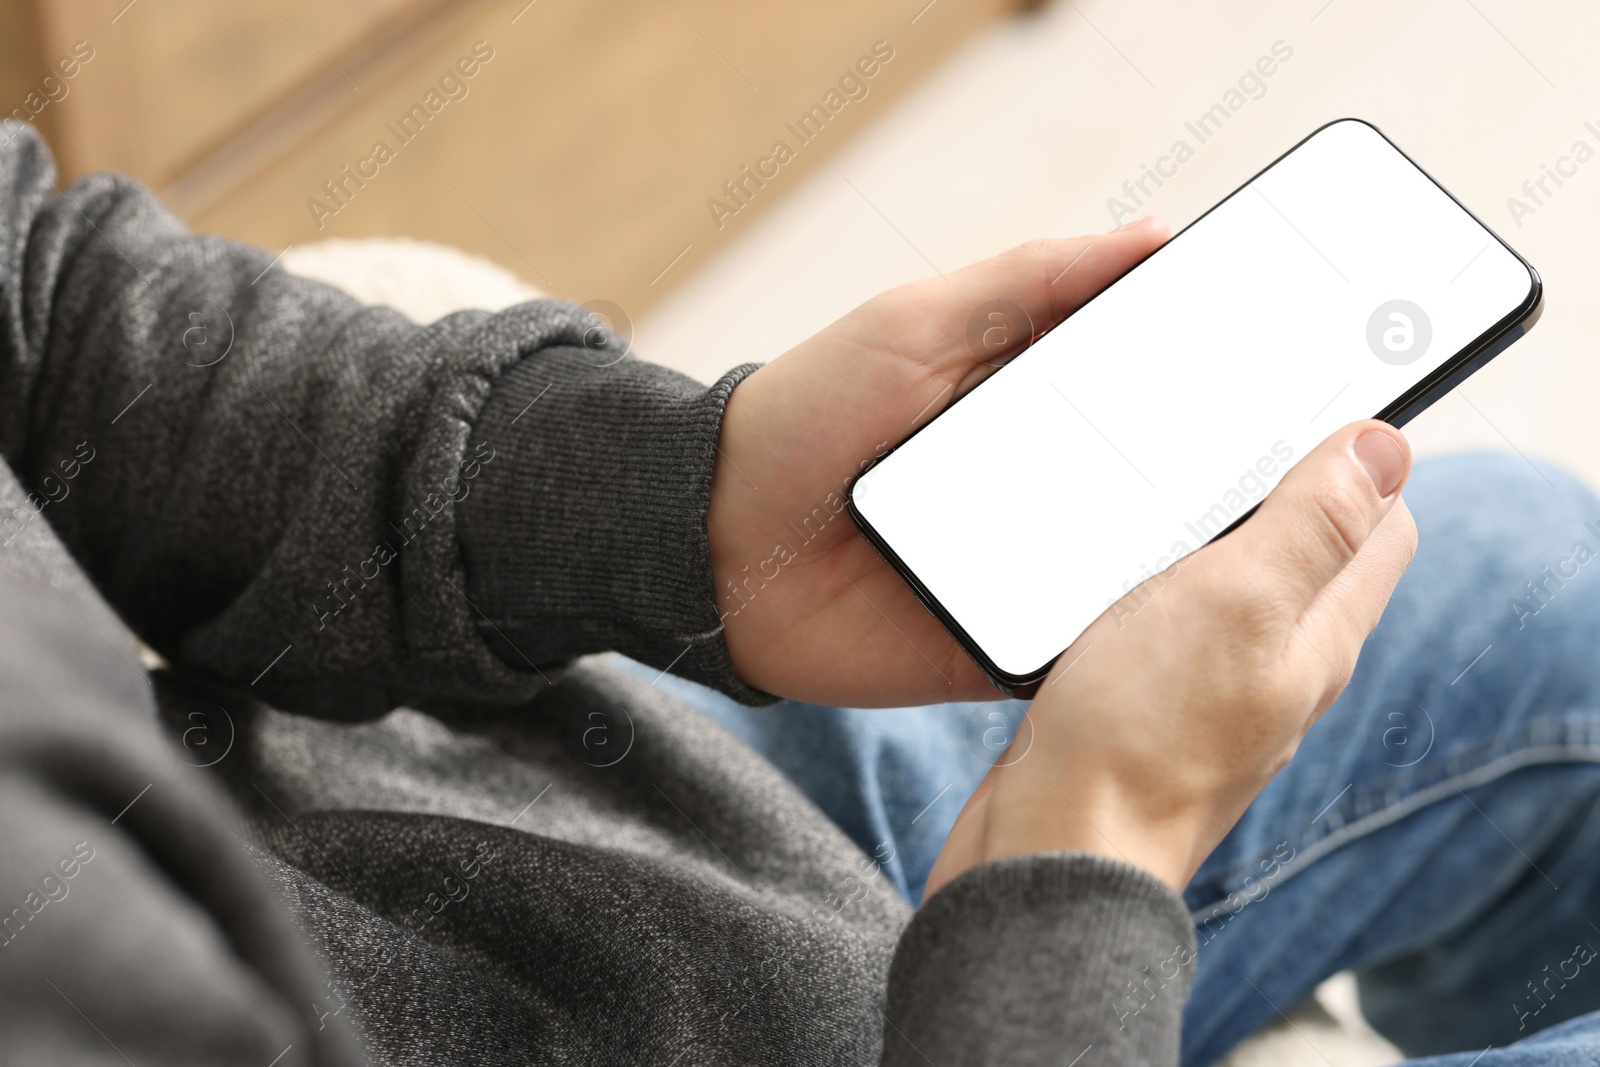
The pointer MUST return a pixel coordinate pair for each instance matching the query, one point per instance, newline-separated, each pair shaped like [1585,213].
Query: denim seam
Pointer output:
[1422,798]
[1543,733]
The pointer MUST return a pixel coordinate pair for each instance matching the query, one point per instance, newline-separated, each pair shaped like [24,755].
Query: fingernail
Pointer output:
[1140,221]
[1385,464]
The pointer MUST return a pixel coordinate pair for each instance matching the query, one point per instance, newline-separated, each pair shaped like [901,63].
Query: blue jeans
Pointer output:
[1437,832]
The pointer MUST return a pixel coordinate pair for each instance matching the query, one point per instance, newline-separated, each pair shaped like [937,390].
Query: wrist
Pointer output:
[1094,818]
[731,505]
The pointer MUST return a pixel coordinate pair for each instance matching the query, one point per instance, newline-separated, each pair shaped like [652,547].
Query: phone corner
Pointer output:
[855,512]
[1344,120]
[1015,686]
[1535,301]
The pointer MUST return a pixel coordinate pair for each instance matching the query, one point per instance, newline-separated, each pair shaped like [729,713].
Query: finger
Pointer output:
[1340,618]
[1317,519]
[998,306]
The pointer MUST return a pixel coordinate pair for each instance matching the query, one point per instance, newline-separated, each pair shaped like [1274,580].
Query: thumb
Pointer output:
[1313,524]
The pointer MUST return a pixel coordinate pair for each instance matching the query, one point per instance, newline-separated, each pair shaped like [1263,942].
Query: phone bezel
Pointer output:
[1451,373]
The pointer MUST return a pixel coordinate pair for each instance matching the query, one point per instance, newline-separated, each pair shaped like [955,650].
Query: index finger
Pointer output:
[1031,288]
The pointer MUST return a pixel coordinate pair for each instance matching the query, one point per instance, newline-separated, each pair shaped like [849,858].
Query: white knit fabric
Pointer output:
[417,278]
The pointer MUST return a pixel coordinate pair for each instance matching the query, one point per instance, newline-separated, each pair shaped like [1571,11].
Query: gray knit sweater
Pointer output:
[426,830]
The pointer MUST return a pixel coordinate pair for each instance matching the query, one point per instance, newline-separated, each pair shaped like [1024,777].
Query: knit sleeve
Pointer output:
[281,488]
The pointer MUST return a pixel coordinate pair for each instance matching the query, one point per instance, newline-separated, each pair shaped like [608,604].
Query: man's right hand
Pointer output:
[1162,722]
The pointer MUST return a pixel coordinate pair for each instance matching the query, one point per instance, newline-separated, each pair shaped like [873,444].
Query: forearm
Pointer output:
[280,477]
[589,529]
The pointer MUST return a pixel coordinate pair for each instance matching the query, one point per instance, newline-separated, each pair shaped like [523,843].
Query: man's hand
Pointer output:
[812,611]
[1158,726]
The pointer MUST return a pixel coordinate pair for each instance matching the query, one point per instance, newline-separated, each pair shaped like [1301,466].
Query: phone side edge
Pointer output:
[1474,357]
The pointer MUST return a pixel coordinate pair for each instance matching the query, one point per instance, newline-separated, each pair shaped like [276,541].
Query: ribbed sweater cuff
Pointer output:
[1033,960]
[586,531]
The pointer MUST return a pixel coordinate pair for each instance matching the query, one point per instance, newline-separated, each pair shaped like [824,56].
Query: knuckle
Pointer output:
[1279,689]
[1214,586]
[1241,613]
[1044,258]
[1036,248]
[897,321]
[1338,514]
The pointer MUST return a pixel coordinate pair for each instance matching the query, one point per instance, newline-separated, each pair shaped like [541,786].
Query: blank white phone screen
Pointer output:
[1174,401]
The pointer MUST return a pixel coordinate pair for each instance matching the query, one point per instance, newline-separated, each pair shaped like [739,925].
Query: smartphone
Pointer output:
[1340,283]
